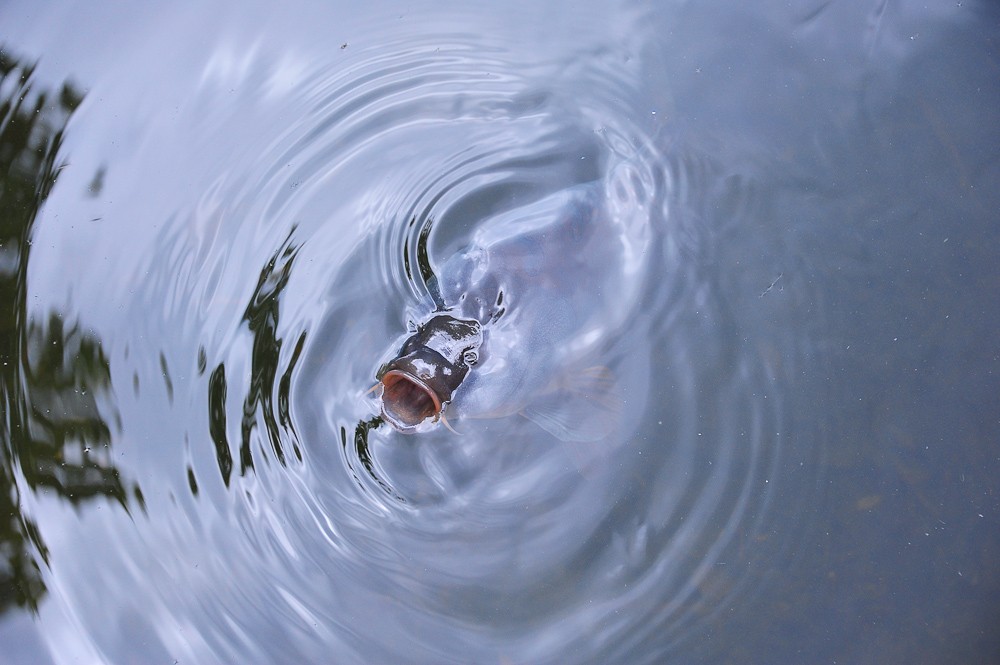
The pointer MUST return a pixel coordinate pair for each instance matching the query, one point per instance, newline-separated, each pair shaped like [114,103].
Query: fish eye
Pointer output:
[470,357]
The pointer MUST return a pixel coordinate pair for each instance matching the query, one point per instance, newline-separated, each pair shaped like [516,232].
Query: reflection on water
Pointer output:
[55,379]
[261,317]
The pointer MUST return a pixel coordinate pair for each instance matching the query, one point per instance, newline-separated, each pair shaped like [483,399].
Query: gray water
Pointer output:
[217,221]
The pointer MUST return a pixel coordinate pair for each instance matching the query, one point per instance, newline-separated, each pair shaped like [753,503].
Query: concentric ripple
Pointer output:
[312,529]
[499,538]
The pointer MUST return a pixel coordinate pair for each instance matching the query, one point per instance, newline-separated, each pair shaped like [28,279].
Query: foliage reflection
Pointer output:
[53,375]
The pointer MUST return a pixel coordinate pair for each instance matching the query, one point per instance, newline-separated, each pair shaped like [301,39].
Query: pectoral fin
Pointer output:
[583,406]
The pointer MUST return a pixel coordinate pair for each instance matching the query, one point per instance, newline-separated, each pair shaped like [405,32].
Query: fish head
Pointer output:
[419,382]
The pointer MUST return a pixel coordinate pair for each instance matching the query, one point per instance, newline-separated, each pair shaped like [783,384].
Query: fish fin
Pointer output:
[583,407]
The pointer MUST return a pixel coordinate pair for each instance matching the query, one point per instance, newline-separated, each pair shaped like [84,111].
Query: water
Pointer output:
[223,219]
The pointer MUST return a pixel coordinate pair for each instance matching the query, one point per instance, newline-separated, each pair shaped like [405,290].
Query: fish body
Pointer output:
[522,314]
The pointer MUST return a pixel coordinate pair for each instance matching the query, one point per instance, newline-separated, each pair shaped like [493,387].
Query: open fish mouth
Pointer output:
[430,366]
[407,401]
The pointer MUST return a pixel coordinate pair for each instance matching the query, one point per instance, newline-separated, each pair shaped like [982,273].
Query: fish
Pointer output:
[419,382]
[522,315]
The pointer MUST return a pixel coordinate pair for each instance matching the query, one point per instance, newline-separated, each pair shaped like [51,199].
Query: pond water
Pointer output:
[743,389]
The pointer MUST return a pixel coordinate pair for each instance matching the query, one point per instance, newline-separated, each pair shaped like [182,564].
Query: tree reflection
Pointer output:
[363,453]
[261,317]
[53,376]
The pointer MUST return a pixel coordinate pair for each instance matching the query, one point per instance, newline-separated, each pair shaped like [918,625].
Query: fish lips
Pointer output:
[416,387]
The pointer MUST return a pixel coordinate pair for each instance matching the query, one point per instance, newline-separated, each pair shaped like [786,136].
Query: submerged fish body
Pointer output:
[522,314]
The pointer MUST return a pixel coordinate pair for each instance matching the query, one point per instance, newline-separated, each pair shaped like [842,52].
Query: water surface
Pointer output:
[218,221]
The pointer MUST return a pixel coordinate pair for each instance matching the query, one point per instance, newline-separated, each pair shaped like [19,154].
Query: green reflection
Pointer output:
[261,317]
[53,375]
[363,453]
[217,421]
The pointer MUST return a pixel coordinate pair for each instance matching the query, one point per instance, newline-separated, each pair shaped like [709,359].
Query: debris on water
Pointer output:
[867,503]
[771,285]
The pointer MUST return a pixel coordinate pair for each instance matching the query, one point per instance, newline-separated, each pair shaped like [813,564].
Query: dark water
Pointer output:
[216,222]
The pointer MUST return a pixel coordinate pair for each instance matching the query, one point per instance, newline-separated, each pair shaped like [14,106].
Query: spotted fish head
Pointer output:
[420,381]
